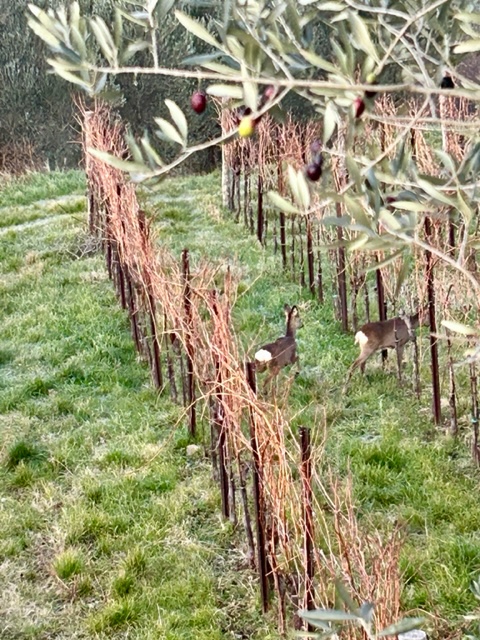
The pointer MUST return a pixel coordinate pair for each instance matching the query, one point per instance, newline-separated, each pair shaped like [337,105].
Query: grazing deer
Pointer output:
[385,334]
[276,355]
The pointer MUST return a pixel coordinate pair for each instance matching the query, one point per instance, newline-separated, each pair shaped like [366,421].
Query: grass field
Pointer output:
[107,529]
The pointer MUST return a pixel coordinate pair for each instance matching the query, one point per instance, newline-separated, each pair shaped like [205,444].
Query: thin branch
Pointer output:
[470,94]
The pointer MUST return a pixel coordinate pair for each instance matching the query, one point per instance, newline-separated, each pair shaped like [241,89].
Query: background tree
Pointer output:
[37,119]
[37,115]
[256,45]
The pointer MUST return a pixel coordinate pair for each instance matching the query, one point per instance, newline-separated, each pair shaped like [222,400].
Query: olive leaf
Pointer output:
[169,131]
[179,118]
[316,616]
[458,327]
[196,29]
[407,624]
[330,121]
[362,35]
[225,91]
[434,193]
[118,163]
[469,46]
[104,39]
[282,204]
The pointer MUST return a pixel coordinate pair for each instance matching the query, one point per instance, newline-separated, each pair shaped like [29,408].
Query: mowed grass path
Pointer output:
[107,529]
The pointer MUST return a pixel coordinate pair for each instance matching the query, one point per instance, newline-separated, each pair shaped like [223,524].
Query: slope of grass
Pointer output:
[33,187]
[107,529]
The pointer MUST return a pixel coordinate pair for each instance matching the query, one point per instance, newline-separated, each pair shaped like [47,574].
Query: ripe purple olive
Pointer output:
[358,107]
[313,171]
[389,202]
[199,101]
[447,82]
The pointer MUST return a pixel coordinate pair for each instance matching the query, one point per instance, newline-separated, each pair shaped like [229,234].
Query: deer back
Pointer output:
[283,351]
[387,334]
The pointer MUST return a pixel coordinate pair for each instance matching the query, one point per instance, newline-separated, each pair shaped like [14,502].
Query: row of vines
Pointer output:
[300,528]
[375,284]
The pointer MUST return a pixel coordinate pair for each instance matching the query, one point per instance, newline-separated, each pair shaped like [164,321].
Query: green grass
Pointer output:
[404,469]
[68,564]
[41,211]
[36,187]
[106,529]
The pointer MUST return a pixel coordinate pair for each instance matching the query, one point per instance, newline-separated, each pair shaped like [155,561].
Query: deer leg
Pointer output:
[260,367]
[349,375]
[398,353]
[296,361]
[359,362]
[365,353]
[268,379]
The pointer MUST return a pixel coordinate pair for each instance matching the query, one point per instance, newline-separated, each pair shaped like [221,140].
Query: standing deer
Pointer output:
[385,334]
[276,355]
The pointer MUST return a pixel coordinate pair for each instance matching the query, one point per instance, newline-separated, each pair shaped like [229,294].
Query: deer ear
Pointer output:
[286,308]
[294,310]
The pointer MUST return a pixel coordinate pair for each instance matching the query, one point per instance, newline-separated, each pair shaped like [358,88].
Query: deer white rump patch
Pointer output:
[263,355]
[360,338]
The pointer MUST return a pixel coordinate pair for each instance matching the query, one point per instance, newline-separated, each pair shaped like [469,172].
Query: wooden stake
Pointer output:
[308,535]
[187,301]
[260,216]
[437,412]
[262,564]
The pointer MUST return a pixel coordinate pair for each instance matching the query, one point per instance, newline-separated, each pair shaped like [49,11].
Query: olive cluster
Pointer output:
[246,123]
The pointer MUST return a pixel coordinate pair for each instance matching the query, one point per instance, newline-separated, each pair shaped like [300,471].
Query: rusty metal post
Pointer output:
[220,430]
[156,352]
[132,310]
[310,258]
[474,418]
[382,306]
[319,269]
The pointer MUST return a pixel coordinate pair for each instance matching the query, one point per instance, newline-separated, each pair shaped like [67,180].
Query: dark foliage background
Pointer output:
[37,115]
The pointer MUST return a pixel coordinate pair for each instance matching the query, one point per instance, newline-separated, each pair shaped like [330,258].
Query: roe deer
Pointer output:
[276,355]
[385,334]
